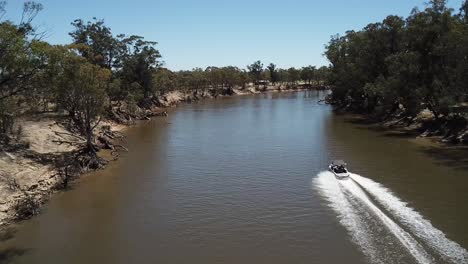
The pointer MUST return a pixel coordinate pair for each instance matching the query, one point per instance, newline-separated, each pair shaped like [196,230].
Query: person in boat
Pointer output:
[340,169]
[338,166]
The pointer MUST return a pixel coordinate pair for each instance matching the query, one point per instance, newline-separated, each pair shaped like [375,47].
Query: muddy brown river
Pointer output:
[243,180]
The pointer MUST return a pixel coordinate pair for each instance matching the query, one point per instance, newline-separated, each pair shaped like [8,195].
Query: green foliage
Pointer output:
[308,74]
[322,75]
[255,70]
[139,63]
[166,80]
[82,94]
[18,63]
[273,71]
[132,59]
[419,63]
[97,44]
[294,75]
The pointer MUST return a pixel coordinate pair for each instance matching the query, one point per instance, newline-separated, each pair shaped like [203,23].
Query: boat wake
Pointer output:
[385,228]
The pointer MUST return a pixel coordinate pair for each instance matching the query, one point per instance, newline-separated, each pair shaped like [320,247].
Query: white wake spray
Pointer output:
[340,195]
[450,251]
[348,217]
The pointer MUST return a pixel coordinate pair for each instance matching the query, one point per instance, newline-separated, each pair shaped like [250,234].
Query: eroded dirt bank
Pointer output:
[448,130]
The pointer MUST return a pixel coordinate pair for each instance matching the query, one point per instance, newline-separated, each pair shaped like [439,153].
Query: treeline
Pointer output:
[221,80]
[404,65]
[100,71]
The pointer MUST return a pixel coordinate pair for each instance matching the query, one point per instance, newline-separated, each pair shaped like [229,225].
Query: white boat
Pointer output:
[338,168]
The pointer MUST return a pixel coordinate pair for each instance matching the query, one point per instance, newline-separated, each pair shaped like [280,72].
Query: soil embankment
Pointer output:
[450,130]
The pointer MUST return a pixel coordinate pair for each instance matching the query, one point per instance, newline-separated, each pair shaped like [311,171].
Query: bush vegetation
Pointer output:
[404,65]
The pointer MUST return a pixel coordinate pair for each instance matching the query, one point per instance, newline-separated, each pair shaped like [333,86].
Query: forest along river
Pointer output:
[242,180]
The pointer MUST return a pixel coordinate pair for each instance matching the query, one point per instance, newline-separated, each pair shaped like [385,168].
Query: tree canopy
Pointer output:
[413,63]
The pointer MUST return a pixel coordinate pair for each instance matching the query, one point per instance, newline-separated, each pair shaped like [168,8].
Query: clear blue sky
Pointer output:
[199,33]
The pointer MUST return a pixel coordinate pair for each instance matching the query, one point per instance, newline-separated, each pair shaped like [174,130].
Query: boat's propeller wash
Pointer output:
[383,226]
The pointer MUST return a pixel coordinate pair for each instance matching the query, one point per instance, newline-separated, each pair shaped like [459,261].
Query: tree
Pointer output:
[82,95]
[283,75]
[139,63]
[232,76]
[132,59]
[214,77]
[294,76]
[255,70]
[200,81]
[96,42]
[47,80]
[165,80]
[407,64]
[464,12]
[18,62]
[430,43]
[322,75]
[272,69]
[308,74]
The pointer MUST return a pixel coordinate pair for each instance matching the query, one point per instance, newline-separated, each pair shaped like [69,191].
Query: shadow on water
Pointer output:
[400,134]
[450,155]
[368,124]
[453,157]
[7,234]
[358,120]
[7,255]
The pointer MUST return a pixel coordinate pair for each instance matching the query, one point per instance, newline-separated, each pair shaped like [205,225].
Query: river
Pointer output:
[243,180]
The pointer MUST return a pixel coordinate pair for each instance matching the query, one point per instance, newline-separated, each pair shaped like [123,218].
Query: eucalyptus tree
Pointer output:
[82,93]
[139,62]
[165,80]
[273,71]
[214,77]
[294,75]
[283,76]
[255,70]
[232,76]
[308,74]
[96,42]
[18,62]
[413,63]
[132,59]
[200,80]
[464,12]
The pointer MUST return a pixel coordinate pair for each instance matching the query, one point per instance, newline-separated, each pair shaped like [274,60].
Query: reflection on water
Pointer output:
[228,181]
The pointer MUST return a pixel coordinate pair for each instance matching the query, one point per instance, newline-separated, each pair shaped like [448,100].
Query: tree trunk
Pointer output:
[89,138]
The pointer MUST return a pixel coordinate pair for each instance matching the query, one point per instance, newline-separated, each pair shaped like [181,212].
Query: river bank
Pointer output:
[446,130]
[416,132]
[29,173]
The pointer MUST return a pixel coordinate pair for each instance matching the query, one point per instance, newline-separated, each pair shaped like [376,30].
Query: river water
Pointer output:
[243,180]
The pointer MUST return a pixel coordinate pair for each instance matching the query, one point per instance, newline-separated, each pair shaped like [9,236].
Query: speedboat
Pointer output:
[338,167]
